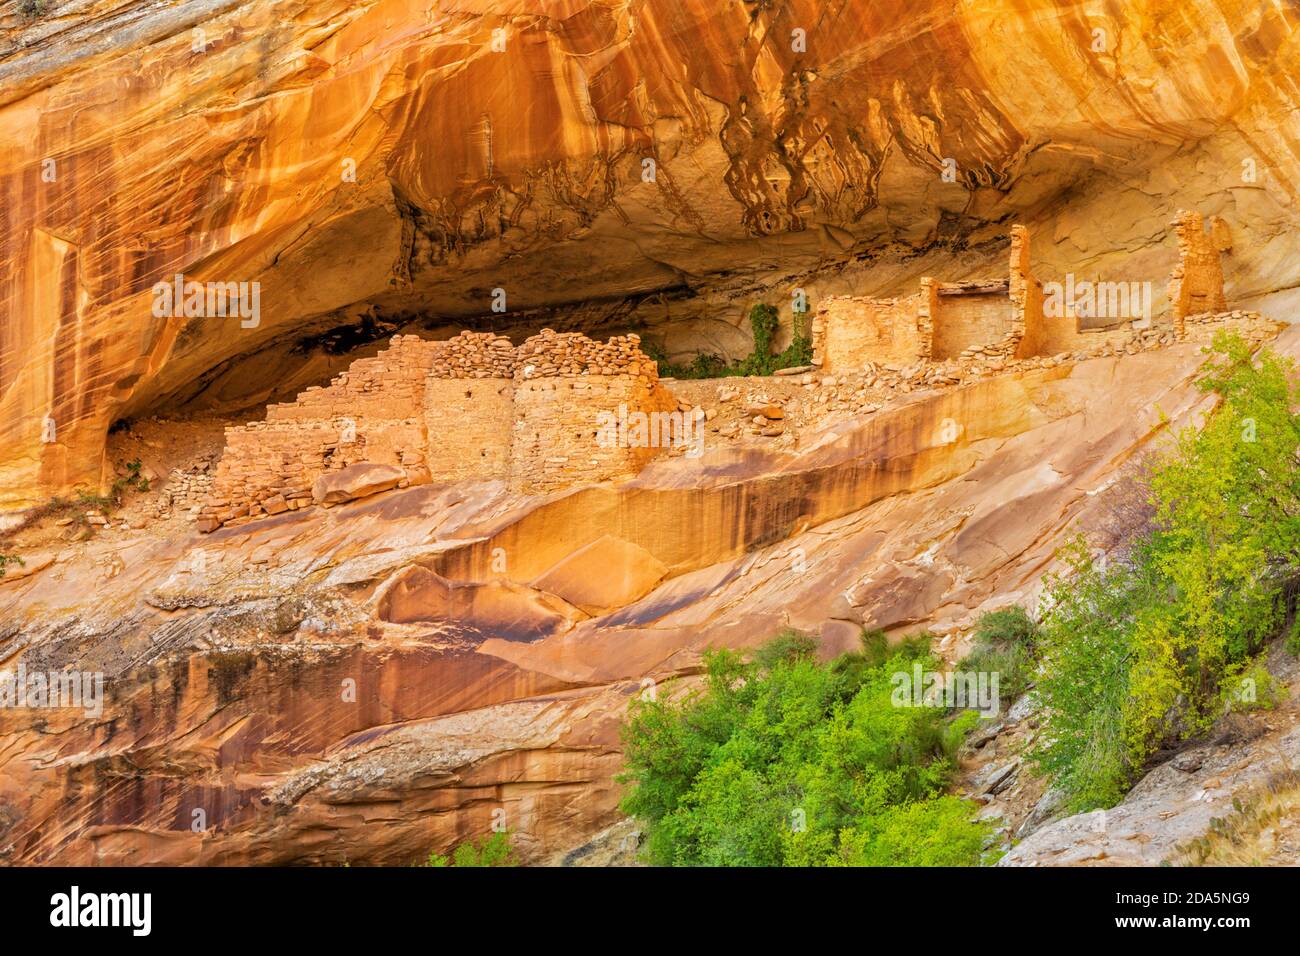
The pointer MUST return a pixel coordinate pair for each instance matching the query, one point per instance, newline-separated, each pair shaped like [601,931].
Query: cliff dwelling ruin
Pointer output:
[1013,317]
[393,396]
[477,407]
[470,407]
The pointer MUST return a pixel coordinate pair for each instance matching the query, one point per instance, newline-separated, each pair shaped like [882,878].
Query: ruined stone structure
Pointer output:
[473,406]
[1196,285]
[944,320]
[1012,317]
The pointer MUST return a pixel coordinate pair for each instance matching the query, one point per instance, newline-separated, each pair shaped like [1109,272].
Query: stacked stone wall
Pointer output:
[470,407]
[567,389]
[1026,295]
[469,423]
[886,329]
[967,318]
[1196,284]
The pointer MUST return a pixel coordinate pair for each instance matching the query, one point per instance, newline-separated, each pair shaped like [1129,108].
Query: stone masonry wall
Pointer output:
[1026,294]
[1196,284]
[945,320]
[563,384]
[886,328]
[995,318]
[470,407]
[967,317]
[926,309]
[468,422]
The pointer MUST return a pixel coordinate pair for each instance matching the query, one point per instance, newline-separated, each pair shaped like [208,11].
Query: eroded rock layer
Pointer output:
[396,674]
[382,165]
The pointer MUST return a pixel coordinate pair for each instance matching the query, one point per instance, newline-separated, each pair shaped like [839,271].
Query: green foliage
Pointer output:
[799,351]
[31,9]
[1013,665]
[1293,637]
[132,479]
[1003,643]
[782,760]
[764,321]
[1147,652]
[1007,628]
[875,647]
[1085,647]
[496,850]
[1253,689]
[935,832]
[789,645]
[86,501]
[704,365]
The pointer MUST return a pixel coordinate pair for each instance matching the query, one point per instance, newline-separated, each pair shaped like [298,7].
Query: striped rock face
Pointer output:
[249,232]
[322,174]
[396,673]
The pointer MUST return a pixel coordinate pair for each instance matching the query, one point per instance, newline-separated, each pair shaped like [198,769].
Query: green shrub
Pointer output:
[799,351]
[782,760]
[496,850]
[1085,647]
[1293,637]
[132,479]
[789,645]
[764,321]
[1013,665]
[875,647]
[1005,629]
[1141,655]
[1254,688]
[935,832]
[1003,643]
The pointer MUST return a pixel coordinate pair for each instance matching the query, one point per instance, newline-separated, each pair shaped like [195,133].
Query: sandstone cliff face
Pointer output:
[401,673]
[384,164]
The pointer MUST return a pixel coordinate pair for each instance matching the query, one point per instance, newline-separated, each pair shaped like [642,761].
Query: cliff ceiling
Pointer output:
[387,164]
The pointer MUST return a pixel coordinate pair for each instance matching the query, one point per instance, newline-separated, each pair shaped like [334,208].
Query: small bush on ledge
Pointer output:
[496,850]
[764,321]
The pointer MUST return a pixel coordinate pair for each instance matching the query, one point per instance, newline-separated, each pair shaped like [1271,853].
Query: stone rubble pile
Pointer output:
[552,353]
[471,355]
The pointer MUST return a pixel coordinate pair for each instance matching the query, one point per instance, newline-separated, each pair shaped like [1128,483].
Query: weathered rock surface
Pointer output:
[383,164]
[412,665]
[355,481]
[1174,805]
[390,675]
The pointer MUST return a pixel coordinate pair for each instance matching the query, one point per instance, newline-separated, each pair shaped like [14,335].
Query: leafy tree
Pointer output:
[1151,650]
[782,760]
